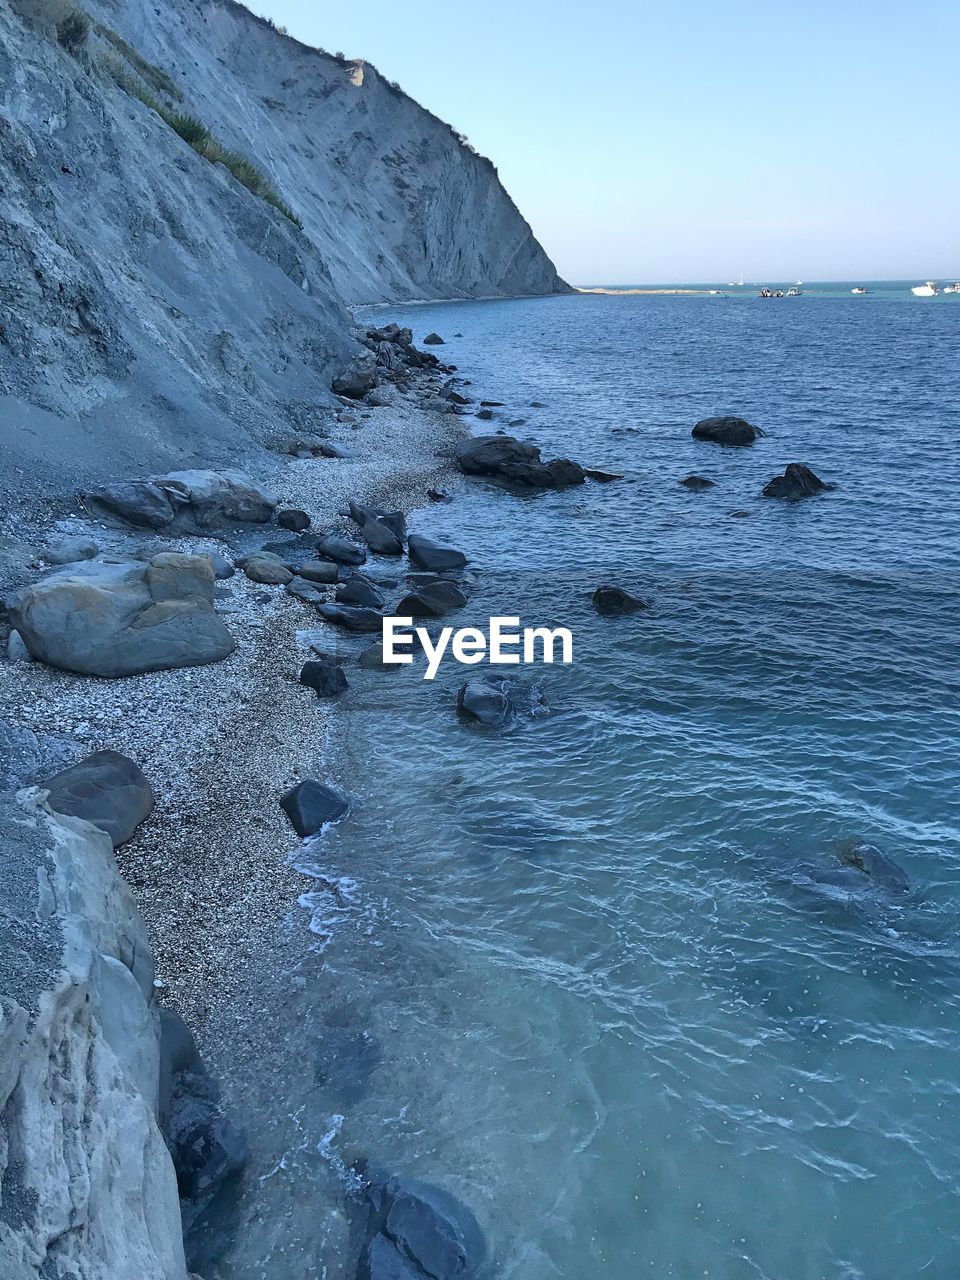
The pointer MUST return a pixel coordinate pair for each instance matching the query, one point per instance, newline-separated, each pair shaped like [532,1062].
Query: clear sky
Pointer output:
[684,140]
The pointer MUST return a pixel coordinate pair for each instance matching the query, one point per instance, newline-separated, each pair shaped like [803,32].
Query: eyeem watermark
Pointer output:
[503,644]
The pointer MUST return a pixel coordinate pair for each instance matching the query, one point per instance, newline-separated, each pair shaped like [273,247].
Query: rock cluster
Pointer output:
[507,459]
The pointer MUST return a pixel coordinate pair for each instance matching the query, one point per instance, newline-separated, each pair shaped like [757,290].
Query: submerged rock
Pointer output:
[431,600]
[796,482]
[875,865]
[105,788]
[310,805]
[426,554]
[181,501]
[609,601]
[417,1231]
[351,618]
[361,592]
[372,659]
[697,482]
[486,700]
[727,431]
[120,618]
[325,678]
[601,477]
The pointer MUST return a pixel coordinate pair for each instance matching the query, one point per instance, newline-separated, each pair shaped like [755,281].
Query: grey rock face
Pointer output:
[107,789]
[417,1231]
[310,805]
[121,618]
[426,554]
[610,601]
[727,431]
[796,482]
[183,501]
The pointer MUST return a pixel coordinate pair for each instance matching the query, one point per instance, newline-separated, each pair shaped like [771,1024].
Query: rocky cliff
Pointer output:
[189,201]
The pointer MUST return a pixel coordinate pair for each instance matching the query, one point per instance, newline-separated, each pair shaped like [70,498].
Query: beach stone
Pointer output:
[70,550]
[266,567]
[325,678]
[610,601]
[485,415]
[486,700]
[426,554]
[105,788]
[351,618]
[371,659]
[697,482]
[433,340]
[17,651]
[796,482]
[340,550]
[222,568]
[182,501]
[431,600]
[294,519]
[305,591]
[380,538]
[361,592]
[310,805]
[416,1231]
[120,618]
[359,377]
[727,431]
[324,571]
[395,521]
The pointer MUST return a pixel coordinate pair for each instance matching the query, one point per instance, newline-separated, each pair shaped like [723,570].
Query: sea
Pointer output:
[596,975]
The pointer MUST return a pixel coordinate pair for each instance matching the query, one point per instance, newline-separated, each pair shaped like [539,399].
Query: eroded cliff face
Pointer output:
[88,1189]
[154,312]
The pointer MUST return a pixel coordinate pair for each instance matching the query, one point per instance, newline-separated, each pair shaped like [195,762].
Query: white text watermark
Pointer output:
[502,644]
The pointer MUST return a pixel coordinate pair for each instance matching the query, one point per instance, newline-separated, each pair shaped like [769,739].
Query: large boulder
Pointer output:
[359,377]
[380,538]
[310,806]
[486,700]
[610,601]
[796,482]
[107,789]
[417,1231]
[324,571]
[508,459]
[120,618]
[726,430]
[426,554]
[184,501]
[395,521]
[360,591]
[341,550]
[431,600]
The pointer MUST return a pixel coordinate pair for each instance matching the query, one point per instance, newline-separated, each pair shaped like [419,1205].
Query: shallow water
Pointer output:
[585,974]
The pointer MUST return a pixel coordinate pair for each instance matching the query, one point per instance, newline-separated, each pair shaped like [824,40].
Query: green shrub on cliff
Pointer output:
[72,30]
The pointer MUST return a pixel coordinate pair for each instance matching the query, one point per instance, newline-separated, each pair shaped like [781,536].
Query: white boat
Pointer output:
[952,288]
[859,289]
[928,290]
[794,293]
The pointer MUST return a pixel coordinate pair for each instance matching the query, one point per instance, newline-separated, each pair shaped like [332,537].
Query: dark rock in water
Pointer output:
[454,396]
[106,789]
[361,592]
[728,431]
[426,554]
[340,550]
[359,377]
[121,618]
[796,482]
[507,458]
[293,519]
[309,805]
[697,482]
[537,404]
[381,540]
[395,521]
[438,495]
[347,1057]
[491,404]
[610,601]
[601,477]
[431,600]
[325,678]
[323,571]
[208,1152]
[485,415]
[416,1231]
[740,515]
[433,340]
[487,700]
[372,659]
[875,865]
[351,618]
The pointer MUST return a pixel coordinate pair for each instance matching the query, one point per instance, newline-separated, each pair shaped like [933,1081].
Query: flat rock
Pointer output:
[120,618]
[796,482]
[341,550]
[426,554]
[70,550]
[310,805]
[431,600]
[266,567]
[305,591]
[609,601]
[360,591]
[351,618]
[182,501]
[697,482]
[105,788]
[325,678]
[727,431]
[324,571]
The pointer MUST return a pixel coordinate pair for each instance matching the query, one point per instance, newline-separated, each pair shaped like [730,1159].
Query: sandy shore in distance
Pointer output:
[210,869]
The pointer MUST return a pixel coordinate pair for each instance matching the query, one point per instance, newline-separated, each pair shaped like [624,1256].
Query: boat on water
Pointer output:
[927,290]
[771,293]
[859,289]
[794,293]
[953,288]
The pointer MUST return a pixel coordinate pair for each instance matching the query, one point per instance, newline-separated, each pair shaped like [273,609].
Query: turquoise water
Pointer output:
[598,984]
